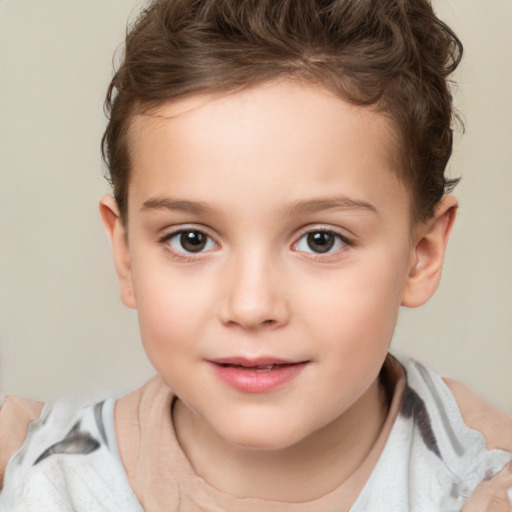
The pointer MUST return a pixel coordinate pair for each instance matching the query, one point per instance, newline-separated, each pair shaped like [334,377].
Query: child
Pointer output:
[279,192]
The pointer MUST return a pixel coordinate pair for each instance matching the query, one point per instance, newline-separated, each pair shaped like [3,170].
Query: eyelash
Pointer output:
[329,254]
[187,256]
[184,256]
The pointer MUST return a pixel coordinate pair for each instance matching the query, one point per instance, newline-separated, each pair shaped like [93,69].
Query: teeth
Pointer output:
[265,368]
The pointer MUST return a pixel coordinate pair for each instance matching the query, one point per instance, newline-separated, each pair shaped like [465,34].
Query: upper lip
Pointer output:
[249,363]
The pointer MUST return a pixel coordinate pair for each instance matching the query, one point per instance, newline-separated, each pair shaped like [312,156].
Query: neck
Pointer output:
[302,472]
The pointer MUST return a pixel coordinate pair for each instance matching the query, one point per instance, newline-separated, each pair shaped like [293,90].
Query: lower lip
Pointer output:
[250,380]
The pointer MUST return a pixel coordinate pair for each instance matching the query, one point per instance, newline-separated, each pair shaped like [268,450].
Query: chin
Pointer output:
[261,445]
[264,439]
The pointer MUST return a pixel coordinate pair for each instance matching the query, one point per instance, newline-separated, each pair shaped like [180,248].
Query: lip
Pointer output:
[259,375]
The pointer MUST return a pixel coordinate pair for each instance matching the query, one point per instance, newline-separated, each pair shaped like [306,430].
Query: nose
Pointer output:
[255,295]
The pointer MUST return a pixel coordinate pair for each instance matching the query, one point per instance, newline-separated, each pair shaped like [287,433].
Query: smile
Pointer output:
[257,376]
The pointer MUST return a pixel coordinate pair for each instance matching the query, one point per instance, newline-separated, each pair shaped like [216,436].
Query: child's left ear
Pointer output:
[428,254]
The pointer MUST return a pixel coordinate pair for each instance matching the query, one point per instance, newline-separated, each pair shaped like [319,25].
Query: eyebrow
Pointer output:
[181,205]
[294,208]
[329,203]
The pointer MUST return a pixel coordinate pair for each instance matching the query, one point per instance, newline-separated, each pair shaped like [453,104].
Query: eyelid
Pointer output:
[325,228]
[174,231]
[347,242]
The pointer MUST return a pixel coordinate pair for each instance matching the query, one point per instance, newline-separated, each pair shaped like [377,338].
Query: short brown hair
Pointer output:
[394,55]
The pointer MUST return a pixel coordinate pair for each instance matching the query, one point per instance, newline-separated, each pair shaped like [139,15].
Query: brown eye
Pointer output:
[321,241]
[190,241]
[193,241]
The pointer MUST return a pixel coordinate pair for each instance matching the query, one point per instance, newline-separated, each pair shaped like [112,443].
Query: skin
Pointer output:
[257,171]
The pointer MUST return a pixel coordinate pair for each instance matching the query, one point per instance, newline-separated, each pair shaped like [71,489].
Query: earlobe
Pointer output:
[428,254]
[117,234]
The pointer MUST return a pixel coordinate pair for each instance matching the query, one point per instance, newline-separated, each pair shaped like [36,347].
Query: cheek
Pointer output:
[356,312]
[172,308]
[367,297]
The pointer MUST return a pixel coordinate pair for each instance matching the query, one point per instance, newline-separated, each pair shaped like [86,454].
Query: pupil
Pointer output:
[320,242]
[192,241]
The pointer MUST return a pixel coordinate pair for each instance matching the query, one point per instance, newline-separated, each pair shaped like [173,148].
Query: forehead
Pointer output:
[282,139]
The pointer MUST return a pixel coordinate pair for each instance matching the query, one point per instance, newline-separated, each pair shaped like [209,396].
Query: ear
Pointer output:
[428,254]
[118,239]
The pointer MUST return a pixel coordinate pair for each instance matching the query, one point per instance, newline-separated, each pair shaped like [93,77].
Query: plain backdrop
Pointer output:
[63,329]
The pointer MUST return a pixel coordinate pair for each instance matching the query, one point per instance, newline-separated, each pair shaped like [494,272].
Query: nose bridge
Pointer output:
[255,295]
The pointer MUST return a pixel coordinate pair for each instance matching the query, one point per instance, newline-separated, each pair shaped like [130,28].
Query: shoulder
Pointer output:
[467,442]
[15,416]
[492,494]
[480,415]
[460,411]
[69,456]
[136,414]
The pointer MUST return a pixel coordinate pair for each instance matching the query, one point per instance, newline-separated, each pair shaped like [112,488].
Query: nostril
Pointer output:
[269,323]
[253,308]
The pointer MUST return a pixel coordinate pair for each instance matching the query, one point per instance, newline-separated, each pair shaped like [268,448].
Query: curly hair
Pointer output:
[391,55]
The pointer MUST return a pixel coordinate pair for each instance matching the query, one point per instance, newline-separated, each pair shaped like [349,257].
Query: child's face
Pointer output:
[266,229]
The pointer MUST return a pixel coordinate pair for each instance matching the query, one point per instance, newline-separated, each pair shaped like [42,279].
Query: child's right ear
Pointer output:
[117,234]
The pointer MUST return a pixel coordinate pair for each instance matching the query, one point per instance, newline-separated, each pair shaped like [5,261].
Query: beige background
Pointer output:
[62,327]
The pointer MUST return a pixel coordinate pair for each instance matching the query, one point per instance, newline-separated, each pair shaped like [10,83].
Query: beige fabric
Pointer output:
[15,417]
[480,415]
[492,496]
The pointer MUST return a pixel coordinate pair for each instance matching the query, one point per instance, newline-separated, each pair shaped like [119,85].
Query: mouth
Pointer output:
[257,375]
[261,363]
[258,368]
